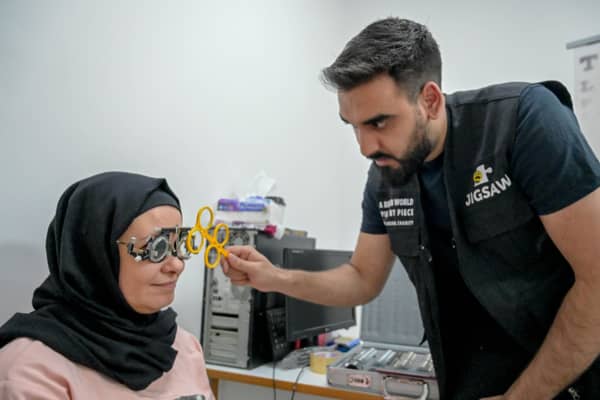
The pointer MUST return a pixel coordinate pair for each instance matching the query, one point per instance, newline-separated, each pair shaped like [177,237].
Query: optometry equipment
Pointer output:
[216,241]
[159,245]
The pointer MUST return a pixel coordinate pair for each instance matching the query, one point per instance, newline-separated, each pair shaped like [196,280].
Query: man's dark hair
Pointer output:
[403,48]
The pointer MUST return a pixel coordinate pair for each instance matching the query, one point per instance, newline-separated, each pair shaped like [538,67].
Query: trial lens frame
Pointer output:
[158,247]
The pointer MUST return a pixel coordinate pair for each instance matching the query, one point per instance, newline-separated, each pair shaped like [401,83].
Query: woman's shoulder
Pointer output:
[30,365]
[188,374]
[186,341]
[25,352]
[189,351]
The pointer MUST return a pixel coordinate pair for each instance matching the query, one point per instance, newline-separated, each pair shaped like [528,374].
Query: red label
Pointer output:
[356,380]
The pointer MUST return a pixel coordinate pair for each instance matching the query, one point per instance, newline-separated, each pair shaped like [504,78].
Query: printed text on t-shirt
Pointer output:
[399,211]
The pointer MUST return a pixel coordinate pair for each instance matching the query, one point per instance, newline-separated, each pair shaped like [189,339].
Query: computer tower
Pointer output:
[234,328]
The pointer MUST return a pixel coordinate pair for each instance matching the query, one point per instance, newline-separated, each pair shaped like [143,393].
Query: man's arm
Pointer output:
[347,285]
[573,341]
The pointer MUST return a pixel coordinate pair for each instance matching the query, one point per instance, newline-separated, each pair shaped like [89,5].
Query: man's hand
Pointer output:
[246,266]
[349,284]
[493,398]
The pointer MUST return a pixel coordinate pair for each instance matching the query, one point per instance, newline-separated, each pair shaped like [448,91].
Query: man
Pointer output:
[489,198]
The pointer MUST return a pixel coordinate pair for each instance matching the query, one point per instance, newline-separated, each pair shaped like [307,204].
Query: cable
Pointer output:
[296,383]
[274,386]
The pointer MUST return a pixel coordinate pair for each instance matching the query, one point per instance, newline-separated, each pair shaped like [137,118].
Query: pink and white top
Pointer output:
[31,370]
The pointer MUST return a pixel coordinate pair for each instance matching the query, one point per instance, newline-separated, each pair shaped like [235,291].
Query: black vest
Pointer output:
[506,258]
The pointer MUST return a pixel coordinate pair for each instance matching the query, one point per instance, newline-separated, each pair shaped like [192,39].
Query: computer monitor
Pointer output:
[304,319]
[273,249]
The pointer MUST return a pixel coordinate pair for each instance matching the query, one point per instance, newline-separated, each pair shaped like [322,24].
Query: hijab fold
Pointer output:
[79,310]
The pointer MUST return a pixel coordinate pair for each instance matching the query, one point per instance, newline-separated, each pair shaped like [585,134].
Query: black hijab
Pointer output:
[80,311]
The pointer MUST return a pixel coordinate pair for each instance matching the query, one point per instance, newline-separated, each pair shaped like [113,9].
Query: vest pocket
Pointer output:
[485,223]
[517,241]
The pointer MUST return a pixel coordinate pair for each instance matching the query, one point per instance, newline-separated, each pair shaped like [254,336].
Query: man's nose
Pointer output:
[368,142]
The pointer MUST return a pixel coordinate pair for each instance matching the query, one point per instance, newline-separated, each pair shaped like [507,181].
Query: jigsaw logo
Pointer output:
[485,186]
[480,176]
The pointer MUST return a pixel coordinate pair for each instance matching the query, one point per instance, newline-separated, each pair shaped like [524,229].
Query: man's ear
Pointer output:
[432,100]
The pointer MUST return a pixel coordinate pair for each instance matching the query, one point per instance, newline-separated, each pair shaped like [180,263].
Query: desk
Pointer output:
[309,383]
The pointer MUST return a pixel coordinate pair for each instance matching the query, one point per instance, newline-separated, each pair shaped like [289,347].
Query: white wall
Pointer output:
[208,94]
[484,42]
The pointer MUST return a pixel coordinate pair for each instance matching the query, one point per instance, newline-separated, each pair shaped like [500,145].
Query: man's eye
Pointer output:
[378,124]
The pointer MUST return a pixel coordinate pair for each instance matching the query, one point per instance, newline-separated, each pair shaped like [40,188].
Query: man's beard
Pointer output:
[418,151]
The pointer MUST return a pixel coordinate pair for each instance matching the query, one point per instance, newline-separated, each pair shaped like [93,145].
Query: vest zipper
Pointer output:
[573,393]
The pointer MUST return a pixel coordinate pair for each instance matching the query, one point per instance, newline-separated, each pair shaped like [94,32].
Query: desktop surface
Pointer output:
[308,383]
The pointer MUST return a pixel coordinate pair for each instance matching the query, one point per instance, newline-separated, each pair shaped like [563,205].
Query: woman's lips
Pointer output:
[167,285]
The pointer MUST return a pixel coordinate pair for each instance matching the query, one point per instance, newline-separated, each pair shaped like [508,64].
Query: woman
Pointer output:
[100,329]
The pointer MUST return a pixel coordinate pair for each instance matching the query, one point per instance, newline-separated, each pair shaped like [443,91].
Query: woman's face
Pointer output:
[148,287]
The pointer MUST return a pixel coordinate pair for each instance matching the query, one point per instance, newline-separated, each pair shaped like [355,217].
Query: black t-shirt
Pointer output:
[554,166]
[551,161]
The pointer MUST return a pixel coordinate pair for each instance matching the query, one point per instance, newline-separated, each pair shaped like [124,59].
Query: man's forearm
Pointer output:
[341,286]
[572,344]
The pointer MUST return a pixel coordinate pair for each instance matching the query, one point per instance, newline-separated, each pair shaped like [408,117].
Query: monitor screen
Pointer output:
[273,249]
[304,319]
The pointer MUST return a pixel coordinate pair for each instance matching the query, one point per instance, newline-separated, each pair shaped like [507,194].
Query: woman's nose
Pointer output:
[173,264]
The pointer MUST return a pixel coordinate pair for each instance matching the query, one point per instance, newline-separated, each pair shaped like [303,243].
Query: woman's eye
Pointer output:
[147,243]
[160,247]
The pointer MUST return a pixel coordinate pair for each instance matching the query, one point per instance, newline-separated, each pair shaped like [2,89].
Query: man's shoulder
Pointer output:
[509,90]
[547,94]
[493,92]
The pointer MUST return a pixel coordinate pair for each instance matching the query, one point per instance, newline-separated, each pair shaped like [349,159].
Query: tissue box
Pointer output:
[271,214]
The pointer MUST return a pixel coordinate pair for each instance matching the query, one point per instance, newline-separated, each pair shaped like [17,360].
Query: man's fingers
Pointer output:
[234,274]
[239,263]
[240,282]
[240,251]
[246,253]
[224,265]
